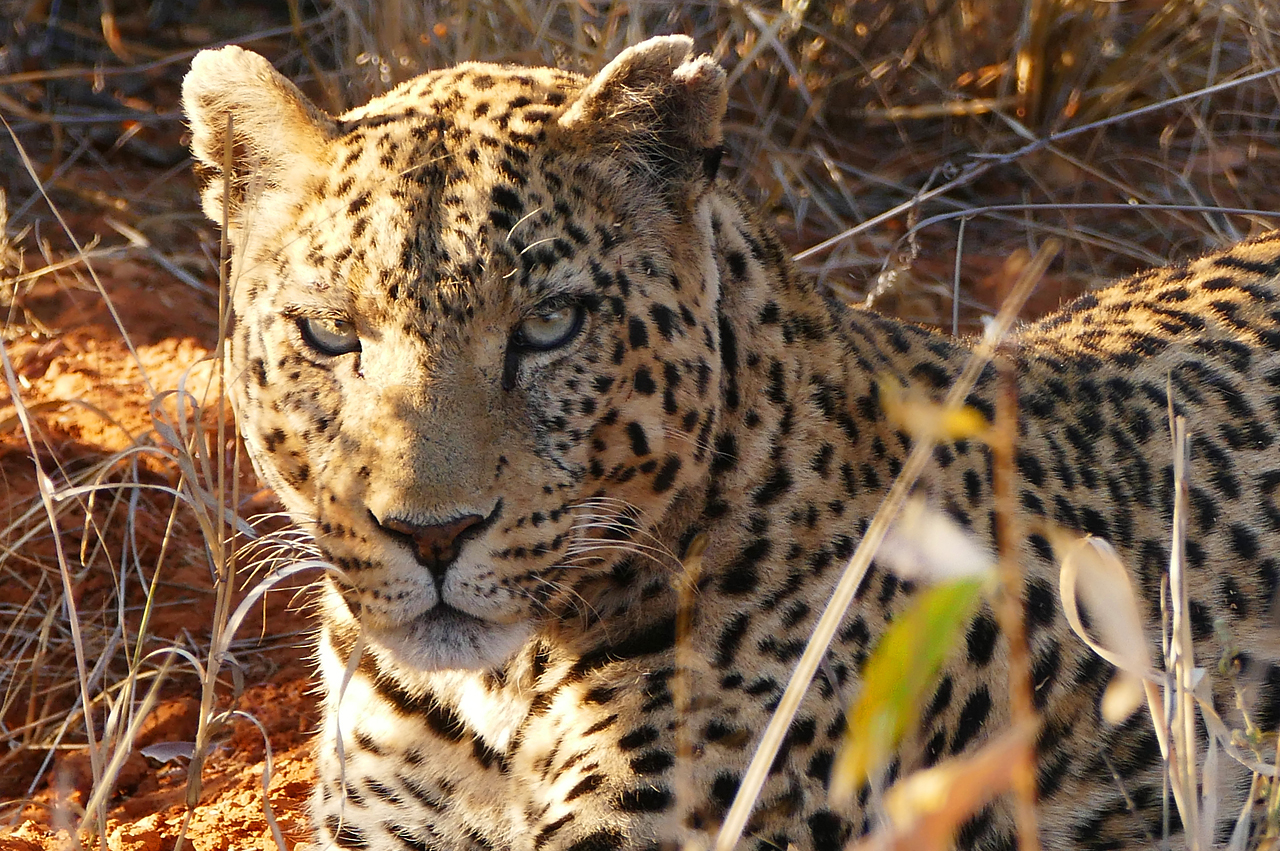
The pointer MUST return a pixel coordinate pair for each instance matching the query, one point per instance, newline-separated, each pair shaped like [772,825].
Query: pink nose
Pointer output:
[436,545]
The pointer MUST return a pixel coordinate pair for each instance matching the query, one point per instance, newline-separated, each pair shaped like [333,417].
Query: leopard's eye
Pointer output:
[329,336]
[550,328]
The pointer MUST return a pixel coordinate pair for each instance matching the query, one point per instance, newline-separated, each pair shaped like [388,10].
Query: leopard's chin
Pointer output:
[443,639]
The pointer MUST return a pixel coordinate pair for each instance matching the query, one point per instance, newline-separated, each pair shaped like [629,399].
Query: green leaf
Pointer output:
[898,676]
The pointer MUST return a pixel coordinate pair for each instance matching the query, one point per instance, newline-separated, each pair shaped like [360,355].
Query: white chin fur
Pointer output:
[446,639]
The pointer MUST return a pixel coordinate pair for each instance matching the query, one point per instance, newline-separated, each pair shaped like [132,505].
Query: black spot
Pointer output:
[974,829]
[1244,542]
[801,733]
[643,381]
[935,748]
[717,731]
[601,725]
[981,639]
[1263,270]
[743,574]
[730,639]
[345,835]
[652,762]
[1139,751]
[941,699]
[638,738]
[972,486]
[795,613]
[933,374]
[828,830]
[664,320]
[1044,671]
[889,585]
[778,483]
[488,756]
[1030,468]
[1236,601]
[606,839]
[1041,605]
[820,766]
[761,685]
[649,640]
[724,788]
[646,799]
[637,334]
[587,784]
[639,441]
[505,198]
[737,264]
[550,830]
[440,718]
[1050,772]
[666,476]
[1268,577]
[973,715]
[855,633]
[1268,710]
[1093,522]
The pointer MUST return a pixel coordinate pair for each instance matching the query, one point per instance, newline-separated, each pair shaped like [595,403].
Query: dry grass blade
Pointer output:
[110,520]
[1180,707]
[1091,570]
[687,664]
[224,558]
[46,493]
[1008,604]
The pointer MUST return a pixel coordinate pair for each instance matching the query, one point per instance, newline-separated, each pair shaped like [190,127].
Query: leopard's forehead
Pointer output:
[434,192]
[474,92]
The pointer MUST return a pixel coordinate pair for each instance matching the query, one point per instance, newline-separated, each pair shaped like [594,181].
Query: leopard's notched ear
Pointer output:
[278,133]
[659,104]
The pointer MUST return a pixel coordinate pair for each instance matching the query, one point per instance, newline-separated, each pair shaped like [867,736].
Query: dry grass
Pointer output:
[915,145]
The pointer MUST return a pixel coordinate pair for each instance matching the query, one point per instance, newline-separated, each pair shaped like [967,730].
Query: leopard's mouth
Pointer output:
[437,624]
[444,637]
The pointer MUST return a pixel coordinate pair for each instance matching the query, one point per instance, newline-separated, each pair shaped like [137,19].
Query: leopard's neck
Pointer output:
[800,375]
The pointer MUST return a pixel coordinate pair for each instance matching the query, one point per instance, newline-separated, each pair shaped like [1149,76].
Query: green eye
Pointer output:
[329,336]
[549,328]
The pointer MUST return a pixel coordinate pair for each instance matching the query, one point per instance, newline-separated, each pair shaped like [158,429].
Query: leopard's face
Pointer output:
[476,343]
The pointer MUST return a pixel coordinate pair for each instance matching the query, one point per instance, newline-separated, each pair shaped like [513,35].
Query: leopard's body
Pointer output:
[504,347]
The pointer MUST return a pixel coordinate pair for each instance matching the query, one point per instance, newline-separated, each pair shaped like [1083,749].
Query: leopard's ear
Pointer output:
[277,133]
[658,105]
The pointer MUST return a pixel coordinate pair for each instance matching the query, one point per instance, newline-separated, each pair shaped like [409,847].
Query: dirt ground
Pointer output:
[88,400]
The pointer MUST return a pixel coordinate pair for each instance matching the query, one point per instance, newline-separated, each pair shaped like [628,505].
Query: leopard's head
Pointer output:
[476,348]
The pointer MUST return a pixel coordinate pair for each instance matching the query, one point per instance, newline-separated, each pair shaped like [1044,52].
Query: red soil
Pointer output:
[87,398]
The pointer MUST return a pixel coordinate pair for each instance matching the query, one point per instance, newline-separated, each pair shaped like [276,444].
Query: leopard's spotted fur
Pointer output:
[507,508]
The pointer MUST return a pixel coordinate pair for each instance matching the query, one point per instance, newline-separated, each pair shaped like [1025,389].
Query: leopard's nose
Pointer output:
[437,544]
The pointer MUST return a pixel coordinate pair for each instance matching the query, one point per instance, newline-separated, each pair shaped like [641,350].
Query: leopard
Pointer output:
[512,351]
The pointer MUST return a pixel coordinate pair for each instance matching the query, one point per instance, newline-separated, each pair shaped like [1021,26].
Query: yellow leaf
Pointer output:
[925,419]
